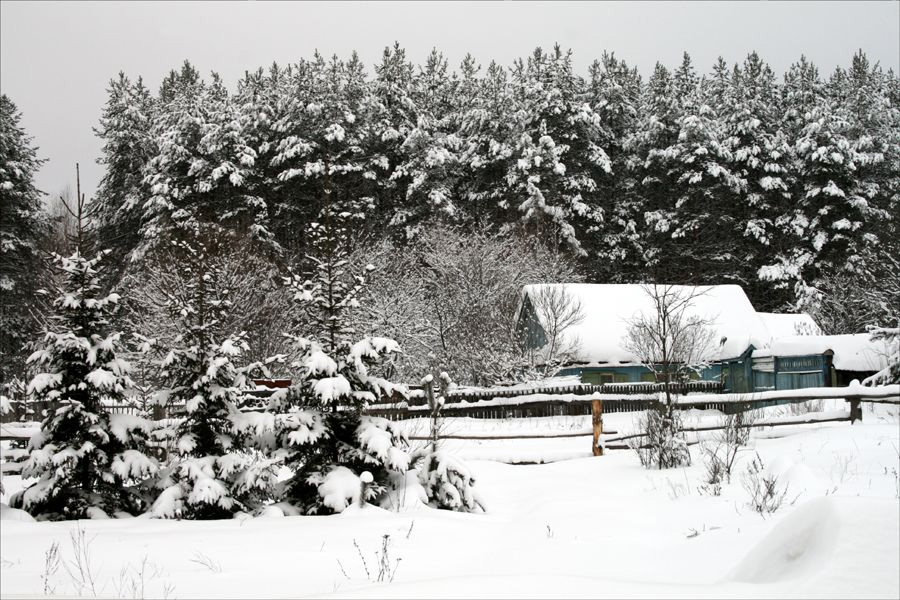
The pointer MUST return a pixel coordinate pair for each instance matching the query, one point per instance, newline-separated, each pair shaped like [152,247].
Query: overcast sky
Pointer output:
[56,58]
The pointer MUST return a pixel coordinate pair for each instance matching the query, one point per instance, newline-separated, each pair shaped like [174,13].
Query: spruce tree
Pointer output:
[325,439]
[84,459]
[213,475]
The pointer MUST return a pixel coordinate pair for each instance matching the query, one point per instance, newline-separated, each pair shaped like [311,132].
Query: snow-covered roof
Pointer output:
[782,325]
[852,352]
[608,308]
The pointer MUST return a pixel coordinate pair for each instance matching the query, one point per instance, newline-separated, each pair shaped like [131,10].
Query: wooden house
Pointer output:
[755,351]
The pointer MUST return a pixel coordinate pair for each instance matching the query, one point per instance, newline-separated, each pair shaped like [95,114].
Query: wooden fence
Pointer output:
[580,400]
[521,402]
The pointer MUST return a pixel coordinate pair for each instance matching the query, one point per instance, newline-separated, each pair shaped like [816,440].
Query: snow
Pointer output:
[588,527]
[608,308]
[132,465]
[782,325]
[340,489]
[14,514]
[802,546]
[329,389]
[122,424]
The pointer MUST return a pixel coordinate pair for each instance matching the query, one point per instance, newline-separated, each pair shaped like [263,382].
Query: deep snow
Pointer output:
[584,527]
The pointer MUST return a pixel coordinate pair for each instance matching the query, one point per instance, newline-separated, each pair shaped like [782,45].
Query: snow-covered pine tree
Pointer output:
[558,157]
[431,150]
[392,116]
[203,171]
[214,475]
[656,130]
[614,92]
[827,222]
[481,120]
[85,460]
[266,107]
[874,133]
[325,439]
[760,153]
[849,300]
[125,126]
[696,232]
[332,143]
[20,230]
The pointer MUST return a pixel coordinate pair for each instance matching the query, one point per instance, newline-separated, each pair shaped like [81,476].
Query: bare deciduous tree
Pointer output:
[671,342]
[558,311]
[451,299]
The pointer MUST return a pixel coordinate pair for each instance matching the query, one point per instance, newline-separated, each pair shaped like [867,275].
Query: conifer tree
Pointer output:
[84,459]
[614,92]
[325,133]
[557,157]
[204,171]
[127,148]
[393,116]
[432,149]
[214,476]
[657,129]
[760,154]
[326,440]
[21,228]
[482,121]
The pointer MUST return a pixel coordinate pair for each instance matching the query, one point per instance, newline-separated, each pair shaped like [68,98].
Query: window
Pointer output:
[597,378]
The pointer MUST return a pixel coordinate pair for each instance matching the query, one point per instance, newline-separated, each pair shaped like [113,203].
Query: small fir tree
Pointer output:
[84,459]
[324,438]
[447,481]
[214,475]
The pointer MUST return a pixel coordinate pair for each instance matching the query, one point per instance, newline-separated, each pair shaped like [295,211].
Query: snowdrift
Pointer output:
[830,547]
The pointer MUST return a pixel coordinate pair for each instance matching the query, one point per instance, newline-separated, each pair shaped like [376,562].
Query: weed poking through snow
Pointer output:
[765,492]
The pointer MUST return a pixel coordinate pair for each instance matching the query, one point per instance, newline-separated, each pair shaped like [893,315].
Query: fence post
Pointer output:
[597,422]
[855,411]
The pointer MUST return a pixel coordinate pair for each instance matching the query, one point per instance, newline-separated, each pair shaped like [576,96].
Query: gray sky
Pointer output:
[57,58]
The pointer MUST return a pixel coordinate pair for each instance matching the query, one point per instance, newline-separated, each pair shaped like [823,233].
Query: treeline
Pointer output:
[787,185]
[728,176]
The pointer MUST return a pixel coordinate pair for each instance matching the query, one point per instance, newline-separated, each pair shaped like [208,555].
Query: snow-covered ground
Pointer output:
[578,527]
